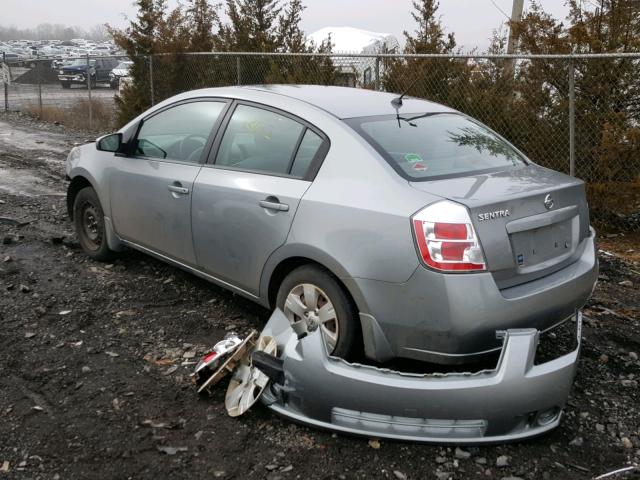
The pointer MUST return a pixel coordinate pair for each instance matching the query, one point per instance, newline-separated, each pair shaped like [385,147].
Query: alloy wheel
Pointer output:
[309,303]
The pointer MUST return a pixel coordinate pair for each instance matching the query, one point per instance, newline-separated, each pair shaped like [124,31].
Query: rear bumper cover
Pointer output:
[514,401]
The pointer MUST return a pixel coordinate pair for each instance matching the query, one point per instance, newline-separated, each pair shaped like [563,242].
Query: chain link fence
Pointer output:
[579,114]
[57,90]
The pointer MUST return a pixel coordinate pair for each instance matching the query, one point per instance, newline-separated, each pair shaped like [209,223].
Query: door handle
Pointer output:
[178,189]
[274,204]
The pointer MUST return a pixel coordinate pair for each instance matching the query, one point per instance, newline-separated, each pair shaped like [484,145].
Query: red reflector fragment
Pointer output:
[209,356]
[450,231]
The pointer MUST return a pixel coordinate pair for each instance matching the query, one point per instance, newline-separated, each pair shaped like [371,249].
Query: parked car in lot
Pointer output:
[14,58]
[120,71]
[397,224]
[77,72]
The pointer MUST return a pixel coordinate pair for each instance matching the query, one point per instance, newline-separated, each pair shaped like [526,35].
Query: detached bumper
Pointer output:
[516,400]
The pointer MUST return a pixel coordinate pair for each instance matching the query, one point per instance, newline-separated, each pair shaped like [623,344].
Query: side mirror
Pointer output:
[110,143]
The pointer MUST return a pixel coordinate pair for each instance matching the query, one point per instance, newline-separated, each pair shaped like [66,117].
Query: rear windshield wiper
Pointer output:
[409,119]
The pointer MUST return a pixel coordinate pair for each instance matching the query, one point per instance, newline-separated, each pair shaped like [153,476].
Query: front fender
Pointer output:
[77,173]
[88,166]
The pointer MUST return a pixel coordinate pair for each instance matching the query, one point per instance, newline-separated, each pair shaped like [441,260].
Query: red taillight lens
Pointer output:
[446,238]
[451,231]
[209,357]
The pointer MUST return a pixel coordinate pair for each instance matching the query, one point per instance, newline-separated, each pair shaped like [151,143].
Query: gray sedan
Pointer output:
[395,226]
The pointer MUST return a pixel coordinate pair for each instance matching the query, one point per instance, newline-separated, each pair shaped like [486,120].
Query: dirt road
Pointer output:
[94,365]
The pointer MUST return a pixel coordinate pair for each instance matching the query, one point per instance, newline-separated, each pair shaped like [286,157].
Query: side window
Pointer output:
[179,133]
[307,151]
[259,140]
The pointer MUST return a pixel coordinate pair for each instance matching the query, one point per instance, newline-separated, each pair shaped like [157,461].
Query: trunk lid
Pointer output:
[530,220]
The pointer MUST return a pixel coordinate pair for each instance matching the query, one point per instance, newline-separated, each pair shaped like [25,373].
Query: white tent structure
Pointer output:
[354,70]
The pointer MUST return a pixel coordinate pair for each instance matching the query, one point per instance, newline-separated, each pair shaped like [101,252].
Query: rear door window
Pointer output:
[433,145]
[258,140]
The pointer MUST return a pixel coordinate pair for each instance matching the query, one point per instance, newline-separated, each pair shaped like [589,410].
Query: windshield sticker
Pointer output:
[413,158]
[419,167]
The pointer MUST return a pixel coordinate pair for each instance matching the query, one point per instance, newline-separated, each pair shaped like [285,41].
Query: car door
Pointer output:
[244,203]
[151,188]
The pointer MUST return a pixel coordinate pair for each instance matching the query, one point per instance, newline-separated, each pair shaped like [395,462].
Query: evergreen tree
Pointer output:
[429,37]
[139,40]
[252,26]
[140,37]
[202,17]
[606,90]
[290,36]
[441,80]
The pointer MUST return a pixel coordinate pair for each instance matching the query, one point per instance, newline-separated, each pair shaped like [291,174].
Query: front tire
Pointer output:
[88,218]
[312,293]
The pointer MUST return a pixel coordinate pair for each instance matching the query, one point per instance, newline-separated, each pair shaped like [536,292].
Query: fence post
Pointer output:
[153,99]
[89,91]
[238,72]
[6,86]
[572,119]
[377,73]
[39,71]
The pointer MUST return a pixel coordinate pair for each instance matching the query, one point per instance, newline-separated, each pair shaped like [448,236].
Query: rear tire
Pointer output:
[88,218]
[322,290]
[65,85]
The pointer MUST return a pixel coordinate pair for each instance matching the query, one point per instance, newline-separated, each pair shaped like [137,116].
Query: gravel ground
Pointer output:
[94,384]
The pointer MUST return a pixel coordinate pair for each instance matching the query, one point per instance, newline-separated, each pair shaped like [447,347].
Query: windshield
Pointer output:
[425,146]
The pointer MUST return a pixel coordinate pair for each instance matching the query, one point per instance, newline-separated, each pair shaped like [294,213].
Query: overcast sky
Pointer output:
[471,20]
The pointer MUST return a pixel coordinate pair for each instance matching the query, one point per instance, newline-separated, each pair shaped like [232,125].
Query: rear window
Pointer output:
[432,145]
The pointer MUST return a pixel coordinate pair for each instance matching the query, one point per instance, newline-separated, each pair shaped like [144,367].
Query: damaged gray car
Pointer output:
[381,228]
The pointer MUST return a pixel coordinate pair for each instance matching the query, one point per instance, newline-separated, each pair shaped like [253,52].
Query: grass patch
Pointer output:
[76,115]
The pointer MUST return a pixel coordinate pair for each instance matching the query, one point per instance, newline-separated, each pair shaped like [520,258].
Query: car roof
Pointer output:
[348,102]
[342,102]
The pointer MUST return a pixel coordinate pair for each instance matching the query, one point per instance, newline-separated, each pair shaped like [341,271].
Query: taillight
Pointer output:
[209,357]
[446,238]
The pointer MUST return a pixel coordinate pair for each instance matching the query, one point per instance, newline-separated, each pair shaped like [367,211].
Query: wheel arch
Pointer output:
[288,258]
[77,183]
[82,180]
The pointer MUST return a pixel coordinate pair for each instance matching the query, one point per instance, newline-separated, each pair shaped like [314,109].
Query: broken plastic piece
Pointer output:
[248,382]
[226,354]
